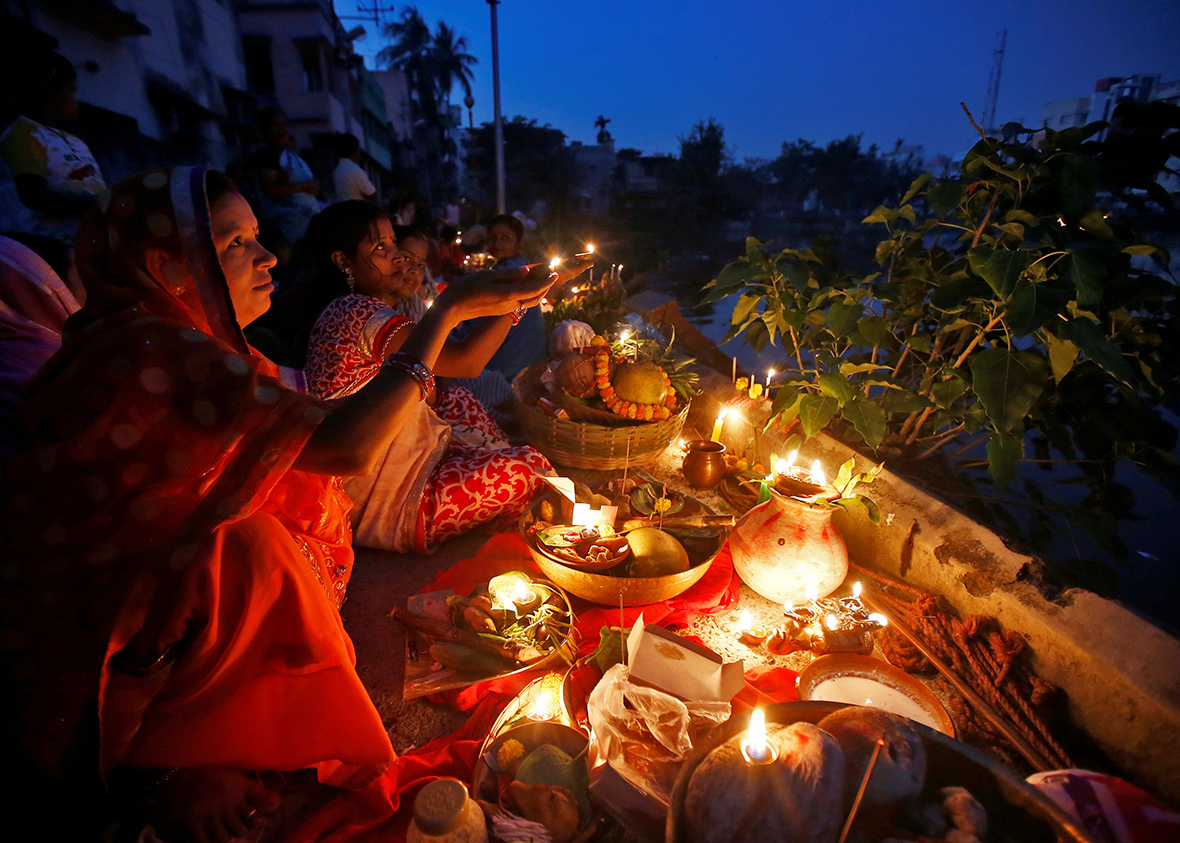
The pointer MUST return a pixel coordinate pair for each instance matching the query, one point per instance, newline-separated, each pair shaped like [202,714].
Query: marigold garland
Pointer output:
[629,409]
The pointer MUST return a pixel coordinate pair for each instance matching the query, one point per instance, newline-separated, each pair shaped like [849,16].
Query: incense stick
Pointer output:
[864,783]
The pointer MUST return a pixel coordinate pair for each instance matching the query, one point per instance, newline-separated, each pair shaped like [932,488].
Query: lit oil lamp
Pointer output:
[755,749]
[751,635]
[796,482]
[546,699]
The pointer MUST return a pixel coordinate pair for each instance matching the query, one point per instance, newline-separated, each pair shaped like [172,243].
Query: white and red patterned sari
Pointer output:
[449,469]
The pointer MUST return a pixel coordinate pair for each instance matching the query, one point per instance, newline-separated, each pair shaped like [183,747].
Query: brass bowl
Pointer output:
[1015,809]
[614,591]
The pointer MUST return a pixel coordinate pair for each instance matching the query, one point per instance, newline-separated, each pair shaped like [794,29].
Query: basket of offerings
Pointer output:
[646,560]
[604,406]
[908,782]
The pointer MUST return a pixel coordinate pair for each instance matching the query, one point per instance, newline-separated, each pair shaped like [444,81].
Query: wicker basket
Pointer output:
[578,444]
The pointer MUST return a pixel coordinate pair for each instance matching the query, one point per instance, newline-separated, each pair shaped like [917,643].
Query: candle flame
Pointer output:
[817,474]
[746,622]
[879,618]
[590,248]
[813,592]
[788,607]
[769,375]
[620,267]
[791,457]
[832,622]
[556,262]
[856,589]
[756,738]
[623,337]
[574,290]
[781,467]
[721,415]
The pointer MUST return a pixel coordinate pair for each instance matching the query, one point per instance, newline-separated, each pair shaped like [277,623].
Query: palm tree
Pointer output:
[451,63]
[411,54]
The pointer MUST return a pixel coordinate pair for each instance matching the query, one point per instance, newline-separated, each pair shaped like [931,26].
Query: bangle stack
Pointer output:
[518,314]
[416,369]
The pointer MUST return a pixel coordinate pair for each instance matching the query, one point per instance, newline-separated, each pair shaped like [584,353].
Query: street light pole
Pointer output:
[499,136]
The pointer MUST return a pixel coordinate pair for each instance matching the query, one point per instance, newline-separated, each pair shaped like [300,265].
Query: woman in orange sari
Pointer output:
[180,544]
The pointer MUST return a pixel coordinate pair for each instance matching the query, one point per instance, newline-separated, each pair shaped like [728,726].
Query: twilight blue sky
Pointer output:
[775,70]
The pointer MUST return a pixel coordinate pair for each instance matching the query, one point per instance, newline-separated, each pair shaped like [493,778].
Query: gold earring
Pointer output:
[350,278]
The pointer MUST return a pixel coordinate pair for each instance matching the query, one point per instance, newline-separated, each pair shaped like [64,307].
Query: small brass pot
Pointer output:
[704,464]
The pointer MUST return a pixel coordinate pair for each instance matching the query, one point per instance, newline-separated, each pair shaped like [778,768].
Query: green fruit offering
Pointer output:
[655,553]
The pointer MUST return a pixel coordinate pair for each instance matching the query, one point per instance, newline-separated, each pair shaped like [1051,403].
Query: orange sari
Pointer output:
[159,448]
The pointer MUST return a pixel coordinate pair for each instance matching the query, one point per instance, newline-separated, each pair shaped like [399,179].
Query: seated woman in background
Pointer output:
[179,547]
[451,467]
[418,287]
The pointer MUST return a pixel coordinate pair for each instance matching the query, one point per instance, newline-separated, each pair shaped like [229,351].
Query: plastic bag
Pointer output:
[643,733]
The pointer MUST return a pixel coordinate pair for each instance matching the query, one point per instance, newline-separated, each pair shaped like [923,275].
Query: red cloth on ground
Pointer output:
[718,589]
[373,813]
[376,812]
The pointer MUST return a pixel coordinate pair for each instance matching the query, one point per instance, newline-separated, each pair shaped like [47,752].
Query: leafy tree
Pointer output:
[537,163]
[843,177]
[411,54]
[450,62]
[1014,307]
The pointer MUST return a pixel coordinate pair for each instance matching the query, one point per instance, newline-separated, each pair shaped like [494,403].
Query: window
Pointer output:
[312,67]
[260,73]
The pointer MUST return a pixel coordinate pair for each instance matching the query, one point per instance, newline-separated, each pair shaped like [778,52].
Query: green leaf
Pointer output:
[1086,271]
[745,307]
[1062,354]
[873,329]
[1017,215]
[788,411]
[757,336]
[904,401]
[815,411]
[1004,453]
[1008,384]
[907,212]
[881,214]
[784,396]
[844,475]
[737,274]
[916,185]
[949,391]
[1094,222]
[1012,229]
[842,317]
[868,418]
[794,272]
[857,368]
[861,502]
[1000,268]
[919,342]
[953,293]
[1032,305]
[835,385]
[754,250]
[1090,339]
[1144,249]
[944,197]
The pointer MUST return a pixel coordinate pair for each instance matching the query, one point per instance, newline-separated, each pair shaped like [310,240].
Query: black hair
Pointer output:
[347,145]
[217,185]
[49,72]
[512,222]
[409,232]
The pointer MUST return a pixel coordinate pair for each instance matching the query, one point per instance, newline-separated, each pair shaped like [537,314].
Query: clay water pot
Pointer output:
[704,464]
[784,545]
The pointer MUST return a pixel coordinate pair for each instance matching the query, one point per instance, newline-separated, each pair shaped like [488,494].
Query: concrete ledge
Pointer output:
[1121,673]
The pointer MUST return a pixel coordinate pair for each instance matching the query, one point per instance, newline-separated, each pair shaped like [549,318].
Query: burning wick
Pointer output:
[879,619]
[589,248]
[769,375]
[556,262]
[754,748]
[817,474]
[751,635]
[856,590]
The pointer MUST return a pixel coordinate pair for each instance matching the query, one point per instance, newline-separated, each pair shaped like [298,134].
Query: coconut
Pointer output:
[900,770]
[655,553]
[794,799]
[639,383]
[575,374]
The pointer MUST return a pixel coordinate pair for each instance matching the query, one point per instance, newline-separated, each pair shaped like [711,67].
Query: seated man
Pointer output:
[525,342]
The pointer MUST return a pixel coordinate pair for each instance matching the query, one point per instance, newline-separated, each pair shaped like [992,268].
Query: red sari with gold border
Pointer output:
[157,484]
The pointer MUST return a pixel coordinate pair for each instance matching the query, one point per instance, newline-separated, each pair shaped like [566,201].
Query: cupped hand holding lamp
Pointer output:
[356,434]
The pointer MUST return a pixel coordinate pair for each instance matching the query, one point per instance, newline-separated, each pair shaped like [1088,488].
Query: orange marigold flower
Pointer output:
[648,412]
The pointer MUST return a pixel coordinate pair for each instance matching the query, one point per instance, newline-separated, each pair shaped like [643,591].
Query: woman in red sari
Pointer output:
[180,544]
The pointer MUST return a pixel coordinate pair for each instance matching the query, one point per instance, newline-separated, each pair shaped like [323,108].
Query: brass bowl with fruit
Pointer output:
[661,564]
